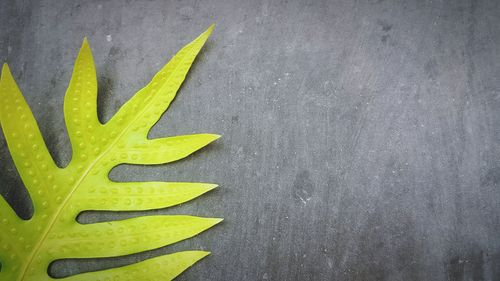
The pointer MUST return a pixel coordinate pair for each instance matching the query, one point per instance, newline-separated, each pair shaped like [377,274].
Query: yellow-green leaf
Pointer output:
[161,268]
[27,247]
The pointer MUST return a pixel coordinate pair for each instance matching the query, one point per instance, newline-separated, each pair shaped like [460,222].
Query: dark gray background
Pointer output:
[361,139]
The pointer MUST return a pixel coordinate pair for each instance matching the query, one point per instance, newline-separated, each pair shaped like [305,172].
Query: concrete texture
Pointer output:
[361,139]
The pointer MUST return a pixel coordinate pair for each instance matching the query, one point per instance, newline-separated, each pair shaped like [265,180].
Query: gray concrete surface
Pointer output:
[361,139]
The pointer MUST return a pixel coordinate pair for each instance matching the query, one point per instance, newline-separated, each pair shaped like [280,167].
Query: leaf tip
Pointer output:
[215,136]
[6,74]
[196,255]
[211,27]
[202,254]
[207,32]
[211,186]
[216,220]
[5,69]
[85,44]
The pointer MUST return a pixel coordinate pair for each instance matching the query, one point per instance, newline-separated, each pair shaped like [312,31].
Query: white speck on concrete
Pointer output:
[330,263]
[109,38]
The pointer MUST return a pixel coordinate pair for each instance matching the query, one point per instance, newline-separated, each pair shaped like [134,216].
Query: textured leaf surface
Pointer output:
[27,247]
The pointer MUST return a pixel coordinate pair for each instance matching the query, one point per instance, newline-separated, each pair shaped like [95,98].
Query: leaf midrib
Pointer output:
[84,175]
[62,206]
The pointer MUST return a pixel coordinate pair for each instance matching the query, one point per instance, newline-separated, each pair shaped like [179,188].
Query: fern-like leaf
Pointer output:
[27,247]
